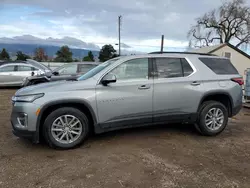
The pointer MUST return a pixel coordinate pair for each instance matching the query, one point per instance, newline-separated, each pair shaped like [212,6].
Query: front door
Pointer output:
[128,102]
[176,90]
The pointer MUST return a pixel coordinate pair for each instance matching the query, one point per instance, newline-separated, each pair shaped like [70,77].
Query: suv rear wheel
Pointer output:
[66,128]
[213,118]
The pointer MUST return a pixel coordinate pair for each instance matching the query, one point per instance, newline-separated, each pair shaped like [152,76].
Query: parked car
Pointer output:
[128,92]
[65,72]
[13,73]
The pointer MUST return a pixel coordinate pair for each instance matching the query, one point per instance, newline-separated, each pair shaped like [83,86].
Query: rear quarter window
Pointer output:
[219,66]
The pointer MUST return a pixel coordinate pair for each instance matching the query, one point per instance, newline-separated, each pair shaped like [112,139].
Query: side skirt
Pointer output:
[134,123]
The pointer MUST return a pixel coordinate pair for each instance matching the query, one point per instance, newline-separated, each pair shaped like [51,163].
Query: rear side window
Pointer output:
[172,67]
[219,66]
[168,67]
[187,69]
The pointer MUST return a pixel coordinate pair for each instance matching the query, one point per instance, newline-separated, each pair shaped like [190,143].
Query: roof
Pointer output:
[12,62]
[211,49]
[191,53]
[15,63]
[168,54]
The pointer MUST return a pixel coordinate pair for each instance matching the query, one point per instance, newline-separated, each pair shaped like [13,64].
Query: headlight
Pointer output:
[27,98]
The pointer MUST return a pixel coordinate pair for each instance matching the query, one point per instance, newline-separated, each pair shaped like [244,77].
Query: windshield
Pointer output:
[97,69]
[37,64]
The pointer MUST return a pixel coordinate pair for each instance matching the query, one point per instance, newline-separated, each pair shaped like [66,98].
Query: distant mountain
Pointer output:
[69,41]
[28,43]
[49,49]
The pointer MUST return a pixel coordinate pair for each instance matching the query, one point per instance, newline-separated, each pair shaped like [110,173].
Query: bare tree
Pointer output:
[230,22]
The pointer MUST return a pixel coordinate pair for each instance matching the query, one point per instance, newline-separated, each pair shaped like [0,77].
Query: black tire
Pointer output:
[52,142]
[204,109]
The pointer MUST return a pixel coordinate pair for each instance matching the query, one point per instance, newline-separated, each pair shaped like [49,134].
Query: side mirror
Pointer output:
[109,78]
[32,73]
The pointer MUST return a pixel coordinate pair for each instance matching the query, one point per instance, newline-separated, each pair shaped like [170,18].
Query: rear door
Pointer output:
[176,90]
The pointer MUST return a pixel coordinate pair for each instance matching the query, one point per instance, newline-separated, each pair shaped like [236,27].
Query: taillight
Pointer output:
[240,81]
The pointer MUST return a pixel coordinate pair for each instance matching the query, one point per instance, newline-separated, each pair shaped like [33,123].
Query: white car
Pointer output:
[13,74]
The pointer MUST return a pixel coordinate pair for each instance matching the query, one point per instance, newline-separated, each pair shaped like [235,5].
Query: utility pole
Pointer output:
[162,43]
[119,33]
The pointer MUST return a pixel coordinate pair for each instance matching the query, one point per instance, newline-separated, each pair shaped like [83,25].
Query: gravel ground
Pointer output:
[161,156]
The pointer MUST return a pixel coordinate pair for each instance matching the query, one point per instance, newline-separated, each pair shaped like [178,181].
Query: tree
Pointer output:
[64,55]
[230,22]
[107,52]
[4,55]
[89,57]
[21,56]
[40,55]
[86,58]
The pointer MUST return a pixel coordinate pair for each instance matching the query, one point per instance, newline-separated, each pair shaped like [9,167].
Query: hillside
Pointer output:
[49,49]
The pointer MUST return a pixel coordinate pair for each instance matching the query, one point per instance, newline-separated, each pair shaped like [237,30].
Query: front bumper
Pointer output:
[30,135]
[25,126]
[236,109]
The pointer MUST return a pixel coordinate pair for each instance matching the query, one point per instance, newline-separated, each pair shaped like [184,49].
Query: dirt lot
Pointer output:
[161,156]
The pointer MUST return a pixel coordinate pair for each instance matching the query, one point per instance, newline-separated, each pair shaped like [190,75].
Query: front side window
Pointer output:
[132,69]
[85,68]
[97,69]
[9,68]
[168,67]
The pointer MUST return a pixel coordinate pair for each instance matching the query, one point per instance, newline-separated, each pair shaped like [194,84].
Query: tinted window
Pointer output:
[34,69]
[219,66]
[10,68]
[85,68]
[168,67]
[24,68]
[187,69]
[132,69]
[97,69]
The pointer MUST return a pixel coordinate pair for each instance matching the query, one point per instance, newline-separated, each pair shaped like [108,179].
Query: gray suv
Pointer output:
[128,92]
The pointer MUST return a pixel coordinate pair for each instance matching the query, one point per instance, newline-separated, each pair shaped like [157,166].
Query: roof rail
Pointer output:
[194,53]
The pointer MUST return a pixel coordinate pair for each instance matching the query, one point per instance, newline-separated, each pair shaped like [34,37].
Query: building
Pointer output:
[239,59]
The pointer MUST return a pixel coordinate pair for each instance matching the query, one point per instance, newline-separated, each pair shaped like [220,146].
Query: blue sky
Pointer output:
[95,21]
[13,13]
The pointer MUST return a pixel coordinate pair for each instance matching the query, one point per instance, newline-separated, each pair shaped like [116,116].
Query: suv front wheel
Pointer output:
[213,118]
[66,128]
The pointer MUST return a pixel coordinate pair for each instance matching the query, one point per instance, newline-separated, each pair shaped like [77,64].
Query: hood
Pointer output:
[56,86]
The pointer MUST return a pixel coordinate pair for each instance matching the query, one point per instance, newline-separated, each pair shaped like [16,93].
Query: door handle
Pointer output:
[195,83]
[144,87]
